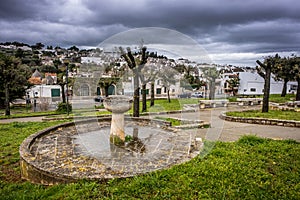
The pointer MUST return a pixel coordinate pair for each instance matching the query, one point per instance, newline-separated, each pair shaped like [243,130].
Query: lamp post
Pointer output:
[34,101]
[67,72]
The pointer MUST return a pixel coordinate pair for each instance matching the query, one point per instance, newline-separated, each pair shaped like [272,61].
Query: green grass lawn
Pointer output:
[28,114]
[276,98]
[272,114]
[251,168]
[163,104]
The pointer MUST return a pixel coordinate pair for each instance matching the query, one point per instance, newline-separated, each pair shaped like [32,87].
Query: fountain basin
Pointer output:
[61,155]
[117,103]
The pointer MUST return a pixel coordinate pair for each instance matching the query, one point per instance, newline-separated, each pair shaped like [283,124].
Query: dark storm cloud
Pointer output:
[254,26]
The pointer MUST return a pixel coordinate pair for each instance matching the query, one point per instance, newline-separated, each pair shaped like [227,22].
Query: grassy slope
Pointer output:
[251,168]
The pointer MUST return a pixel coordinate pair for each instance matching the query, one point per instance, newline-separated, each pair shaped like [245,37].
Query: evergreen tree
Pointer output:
[14,79]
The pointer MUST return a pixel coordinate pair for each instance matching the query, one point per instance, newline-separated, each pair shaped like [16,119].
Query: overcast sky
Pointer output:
[231,31]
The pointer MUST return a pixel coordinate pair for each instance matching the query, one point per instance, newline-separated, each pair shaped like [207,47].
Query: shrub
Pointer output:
[62,107]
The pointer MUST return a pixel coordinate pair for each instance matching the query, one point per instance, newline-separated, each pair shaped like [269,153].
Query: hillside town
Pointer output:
[94,73]
[149,99]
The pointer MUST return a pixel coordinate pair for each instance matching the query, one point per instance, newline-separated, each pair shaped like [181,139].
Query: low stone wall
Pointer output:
[213,103]
[249,101]
[263,121]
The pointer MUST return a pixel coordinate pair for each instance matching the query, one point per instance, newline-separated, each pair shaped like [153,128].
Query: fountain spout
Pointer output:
[118,105]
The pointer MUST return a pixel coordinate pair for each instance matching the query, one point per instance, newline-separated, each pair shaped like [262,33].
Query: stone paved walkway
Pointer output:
[231,131]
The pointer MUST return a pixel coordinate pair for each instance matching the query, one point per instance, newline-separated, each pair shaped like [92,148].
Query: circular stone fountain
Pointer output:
[74,151]
[118,105]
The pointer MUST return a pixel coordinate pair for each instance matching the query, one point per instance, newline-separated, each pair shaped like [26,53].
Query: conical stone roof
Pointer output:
[36,74]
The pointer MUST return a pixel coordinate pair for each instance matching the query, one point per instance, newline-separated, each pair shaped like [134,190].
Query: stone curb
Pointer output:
[262,121]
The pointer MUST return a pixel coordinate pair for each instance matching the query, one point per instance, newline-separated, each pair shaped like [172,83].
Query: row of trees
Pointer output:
[285,69]
[143,73]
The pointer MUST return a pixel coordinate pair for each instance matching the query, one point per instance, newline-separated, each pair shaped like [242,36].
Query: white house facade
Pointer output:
[251,83]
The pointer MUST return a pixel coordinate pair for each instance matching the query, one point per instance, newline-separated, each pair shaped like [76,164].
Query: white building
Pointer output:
[251,83]
[50,94]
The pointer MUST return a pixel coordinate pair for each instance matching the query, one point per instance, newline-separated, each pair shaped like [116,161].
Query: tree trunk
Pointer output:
[211,90]
[136,95]
[7,108]
[265,107]
[233,91]
[144,98]
[63,95]
[283,93]
[168,91]
[298,90]
[152,94]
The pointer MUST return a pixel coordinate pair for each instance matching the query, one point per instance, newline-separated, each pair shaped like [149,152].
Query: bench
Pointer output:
[213,103]
[249,101]
[293,104]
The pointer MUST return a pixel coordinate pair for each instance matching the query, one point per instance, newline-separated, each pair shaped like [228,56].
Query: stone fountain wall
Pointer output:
[30,152]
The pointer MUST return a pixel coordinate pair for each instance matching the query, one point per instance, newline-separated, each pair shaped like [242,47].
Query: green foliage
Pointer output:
[251,168]
[232,99]
[63,107]
[272,114]
[14,78]
[128,138]
[233,84]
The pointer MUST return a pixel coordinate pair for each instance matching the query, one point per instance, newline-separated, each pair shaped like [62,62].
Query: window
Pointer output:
[146,91]
[293,87]
[158,90]
[158,82]
[252,89]
[98,91]
[165,90]
[55,92]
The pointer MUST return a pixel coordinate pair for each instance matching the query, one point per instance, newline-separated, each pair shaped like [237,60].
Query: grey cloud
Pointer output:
[256,26]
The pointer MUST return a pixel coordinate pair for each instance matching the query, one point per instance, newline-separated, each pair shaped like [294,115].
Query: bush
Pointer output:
[62,107]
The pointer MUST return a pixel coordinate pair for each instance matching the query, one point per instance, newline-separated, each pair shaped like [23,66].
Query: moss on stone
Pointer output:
[114,139]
